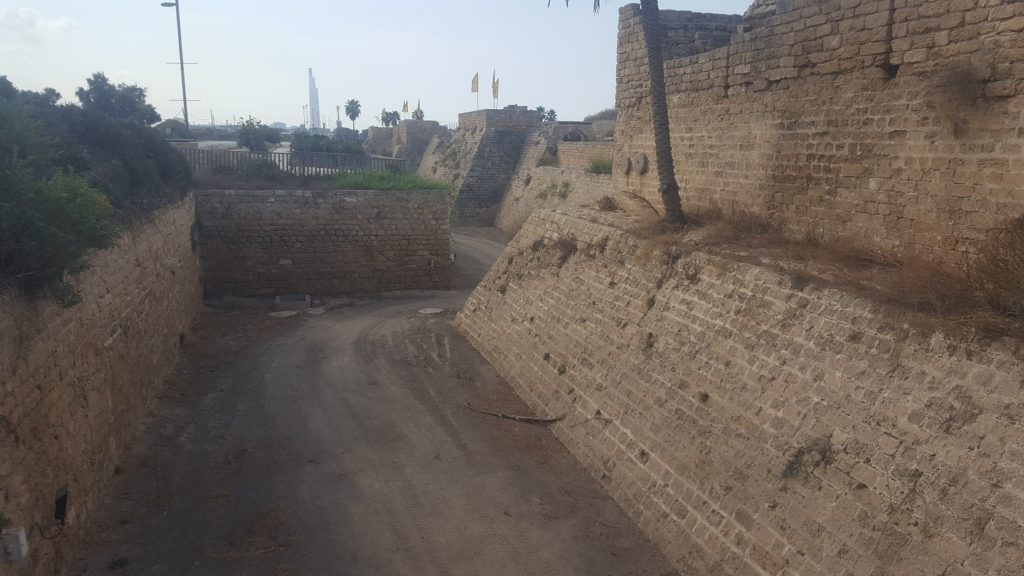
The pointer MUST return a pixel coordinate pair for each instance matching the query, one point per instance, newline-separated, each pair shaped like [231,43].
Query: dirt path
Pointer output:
[340,445]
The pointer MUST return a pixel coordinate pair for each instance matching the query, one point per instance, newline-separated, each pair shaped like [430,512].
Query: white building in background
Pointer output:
[314,103]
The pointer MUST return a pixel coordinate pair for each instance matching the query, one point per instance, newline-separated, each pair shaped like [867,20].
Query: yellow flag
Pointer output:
[405,106]
[495,88]
[476,83]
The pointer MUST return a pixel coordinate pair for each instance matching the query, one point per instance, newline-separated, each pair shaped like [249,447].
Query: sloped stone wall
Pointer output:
[479,161]
[754,428]
[75,383]
[552,174]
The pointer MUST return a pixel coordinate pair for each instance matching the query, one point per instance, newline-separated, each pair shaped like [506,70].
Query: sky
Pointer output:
[251,56]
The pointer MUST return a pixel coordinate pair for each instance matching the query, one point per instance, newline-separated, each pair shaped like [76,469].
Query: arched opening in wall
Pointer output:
[575,135]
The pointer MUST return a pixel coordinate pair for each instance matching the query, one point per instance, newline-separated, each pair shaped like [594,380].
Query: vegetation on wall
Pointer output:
[388,181]
[607,114]
[69,173]
[601,166]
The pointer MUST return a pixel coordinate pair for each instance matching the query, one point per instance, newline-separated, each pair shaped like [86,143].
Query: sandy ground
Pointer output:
[340,444]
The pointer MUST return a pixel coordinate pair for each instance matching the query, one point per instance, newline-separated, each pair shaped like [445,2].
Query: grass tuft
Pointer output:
[388,181]
[600,166]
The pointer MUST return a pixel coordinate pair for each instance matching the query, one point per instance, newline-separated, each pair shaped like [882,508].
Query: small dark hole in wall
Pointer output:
[704,397]
[547,356]
[60,506]
[643,456]
[889,69]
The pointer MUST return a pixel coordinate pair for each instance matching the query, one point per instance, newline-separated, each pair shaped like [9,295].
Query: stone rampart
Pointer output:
[552,173]
[480,160]
[76,382]
[895,124]
[266,242]
[754,428]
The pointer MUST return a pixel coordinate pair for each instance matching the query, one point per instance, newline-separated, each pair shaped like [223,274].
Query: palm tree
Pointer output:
[650,15]
[353,109]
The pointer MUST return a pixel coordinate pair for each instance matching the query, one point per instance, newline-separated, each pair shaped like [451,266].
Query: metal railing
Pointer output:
[213,162]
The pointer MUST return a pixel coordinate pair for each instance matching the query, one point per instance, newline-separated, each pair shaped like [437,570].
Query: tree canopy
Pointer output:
[123,101]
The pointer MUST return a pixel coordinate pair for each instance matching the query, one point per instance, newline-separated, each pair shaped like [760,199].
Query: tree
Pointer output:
[650,15]
[353,109]
[389,119]
[550,115]
[252,134]
[123,101]
[542,111]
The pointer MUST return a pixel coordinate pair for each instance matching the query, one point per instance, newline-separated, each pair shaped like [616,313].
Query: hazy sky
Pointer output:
[252,55]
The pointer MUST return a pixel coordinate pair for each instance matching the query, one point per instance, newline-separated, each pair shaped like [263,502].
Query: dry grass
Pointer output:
[997,272]
[981,297]
[607,204]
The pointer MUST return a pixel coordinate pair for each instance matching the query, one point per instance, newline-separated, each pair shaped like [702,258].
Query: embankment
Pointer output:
[752,427]
[77,382]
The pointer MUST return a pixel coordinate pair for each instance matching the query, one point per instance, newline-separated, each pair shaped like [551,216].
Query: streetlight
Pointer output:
[181,58]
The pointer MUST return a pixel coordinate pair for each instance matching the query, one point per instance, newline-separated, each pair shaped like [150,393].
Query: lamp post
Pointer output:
[181,58]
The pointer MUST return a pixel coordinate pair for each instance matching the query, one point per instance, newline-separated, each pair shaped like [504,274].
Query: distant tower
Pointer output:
[314,102]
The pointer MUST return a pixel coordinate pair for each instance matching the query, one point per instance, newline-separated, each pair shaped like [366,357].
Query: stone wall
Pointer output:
[753,428]
[379,141]
[552,174]
[413,137]
[578,155]
[480,160]
[898,124]
[76,382]
[267,242]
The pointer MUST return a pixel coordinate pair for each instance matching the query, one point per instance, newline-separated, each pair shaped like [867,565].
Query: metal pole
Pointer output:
[181,62]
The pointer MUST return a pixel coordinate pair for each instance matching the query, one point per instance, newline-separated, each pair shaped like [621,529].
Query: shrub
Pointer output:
[600,166]
[252,134]
[606,114]
[306,142]
[47,228]
[607,204]
[998,269]
[67,173]
[563,190]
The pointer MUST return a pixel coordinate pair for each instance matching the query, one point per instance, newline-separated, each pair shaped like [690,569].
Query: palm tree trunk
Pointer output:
[667,185]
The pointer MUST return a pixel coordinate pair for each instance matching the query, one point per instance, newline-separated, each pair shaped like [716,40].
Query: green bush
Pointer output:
[47,227]
[68,173]
[255,136]
[601,166]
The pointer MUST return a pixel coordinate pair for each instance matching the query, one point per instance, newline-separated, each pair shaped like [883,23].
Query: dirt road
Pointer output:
[340,444]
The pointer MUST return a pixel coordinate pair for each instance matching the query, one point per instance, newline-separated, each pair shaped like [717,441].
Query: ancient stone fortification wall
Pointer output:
[896,123]
[75,382]
[578,155]
[266,242]
[413,137]
[480,161]
[552,174]
[379,141]
[755,429]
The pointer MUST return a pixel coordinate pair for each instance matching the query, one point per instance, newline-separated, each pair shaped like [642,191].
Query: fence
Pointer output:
[207,162]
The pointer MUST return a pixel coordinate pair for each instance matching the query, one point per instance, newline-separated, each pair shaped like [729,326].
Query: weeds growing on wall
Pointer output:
[817,453]
[566,247]
[607,204]
[388,181]
[600,166]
